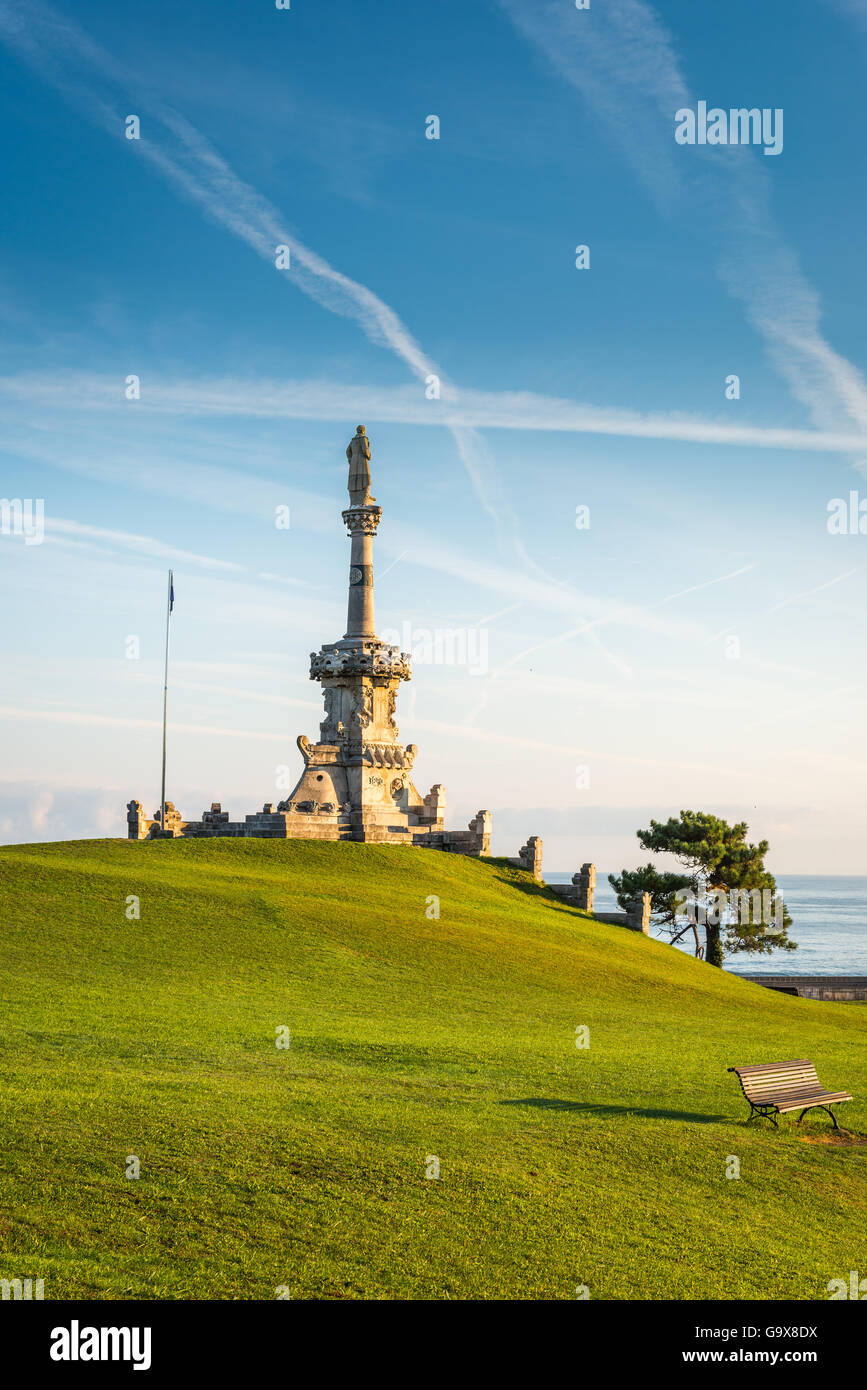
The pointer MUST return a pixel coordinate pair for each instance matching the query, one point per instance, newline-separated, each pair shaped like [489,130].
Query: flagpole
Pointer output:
[169,597]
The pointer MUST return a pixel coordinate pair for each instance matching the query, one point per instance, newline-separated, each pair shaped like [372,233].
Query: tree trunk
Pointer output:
[714,952]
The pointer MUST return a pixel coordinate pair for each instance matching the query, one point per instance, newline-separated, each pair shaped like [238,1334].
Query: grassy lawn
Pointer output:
[305,1167]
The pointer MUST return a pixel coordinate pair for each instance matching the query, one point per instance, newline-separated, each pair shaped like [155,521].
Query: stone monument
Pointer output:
[356,783]
[358,776]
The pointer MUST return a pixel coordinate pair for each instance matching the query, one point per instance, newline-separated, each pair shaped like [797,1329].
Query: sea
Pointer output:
[829,923]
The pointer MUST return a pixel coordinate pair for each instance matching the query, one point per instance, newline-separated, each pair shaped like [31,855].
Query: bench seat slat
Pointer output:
[760,1083]
[786,1078]
[793,1093]
[809,1084]
[806,1102]
[774,1066]
[778,1078]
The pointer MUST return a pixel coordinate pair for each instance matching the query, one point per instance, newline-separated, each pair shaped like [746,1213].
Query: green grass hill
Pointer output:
[411,1039]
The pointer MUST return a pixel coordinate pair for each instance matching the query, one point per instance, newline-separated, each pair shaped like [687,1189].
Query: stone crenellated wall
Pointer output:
[581,891]
[530,857]
[636,918]
[285,822]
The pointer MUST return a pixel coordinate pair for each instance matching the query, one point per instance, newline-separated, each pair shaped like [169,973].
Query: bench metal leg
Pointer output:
[827,1111]
[764,1114]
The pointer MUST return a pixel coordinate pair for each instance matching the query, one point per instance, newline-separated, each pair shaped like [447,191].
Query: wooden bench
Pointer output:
[773,1088]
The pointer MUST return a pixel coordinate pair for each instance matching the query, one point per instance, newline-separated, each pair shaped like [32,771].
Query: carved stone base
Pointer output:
[314,821]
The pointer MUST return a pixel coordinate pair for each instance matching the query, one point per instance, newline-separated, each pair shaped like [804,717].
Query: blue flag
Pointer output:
[171,591]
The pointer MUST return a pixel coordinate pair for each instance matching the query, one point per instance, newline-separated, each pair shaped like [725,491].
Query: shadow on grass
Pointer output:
[523,881]
[588,1107]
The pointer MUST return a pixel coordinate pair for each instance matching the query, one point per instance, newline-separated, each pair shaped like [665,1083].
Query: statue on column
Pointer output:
[358,455]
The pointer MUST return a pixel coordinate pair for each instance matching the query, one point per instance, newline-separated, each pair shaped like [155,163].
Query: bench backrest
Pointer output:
[776,1079]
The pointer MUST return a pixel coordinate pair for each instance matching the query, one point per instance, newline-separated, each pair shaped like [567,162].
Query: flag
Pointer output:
[171,591]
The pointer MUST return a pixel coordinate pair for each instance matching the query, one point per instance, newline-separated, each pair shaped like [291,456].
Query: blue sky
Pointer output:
[699,645]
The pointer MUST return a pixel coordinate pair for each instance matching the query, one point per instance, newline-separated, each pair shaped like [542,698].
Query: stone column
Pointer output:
[361,523]
[585,886]
[480,825]
[435,805]
[530,856]
[136,821]
[173,826]
[638,914]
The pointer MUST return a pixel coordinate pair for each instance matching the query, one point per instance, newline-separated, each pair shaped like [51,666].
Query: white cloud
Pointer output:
[31,814]
[319,399]
[142,545]
[117,721]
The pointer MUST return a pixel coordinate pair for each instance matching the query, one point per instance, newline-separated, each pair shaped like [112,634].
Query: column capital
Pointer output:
[362,519]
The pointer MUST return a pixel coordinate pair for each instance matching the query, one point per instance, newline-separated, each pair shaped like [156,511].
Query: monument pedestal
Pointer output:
[359,773]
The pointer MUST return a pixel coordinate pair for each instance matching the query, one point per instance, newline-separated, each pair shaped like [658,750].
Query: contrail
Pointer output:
[623,62]
[62,52]
[321,399]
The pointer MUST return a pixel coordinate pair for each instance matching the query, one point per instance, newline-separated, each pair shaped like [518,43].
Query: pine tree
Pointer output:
[722,867]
